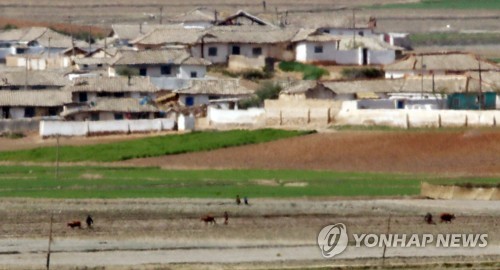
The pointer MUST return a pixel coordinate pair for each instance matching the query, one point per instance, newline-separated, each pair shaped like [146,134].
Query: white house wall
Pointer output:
[198,99]
[381,57]
[349,32]
[185,71]
[222,52]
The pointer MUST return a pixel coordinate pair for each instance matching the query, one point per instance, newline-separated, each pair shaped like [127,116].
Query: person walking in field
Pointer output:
[226,218]
[238,200]
[89,221]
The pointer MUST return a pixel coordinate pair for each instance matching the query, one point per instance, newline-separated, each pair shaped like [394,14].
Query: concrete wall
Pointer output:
[241,63]
[186,122]
[289,112]
[381,57]
[185,71]
[349,115]
[85,128]
[251,116]
[21,125]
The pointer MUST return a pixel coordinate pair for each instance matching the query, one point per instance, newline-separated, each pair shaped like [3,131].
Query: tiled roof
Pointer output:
[249,34]
[133,31]
[112,84]
[200,14]
[452,61]
[36,98]
[172,56]
[228,87]
[33,78]
[172,35]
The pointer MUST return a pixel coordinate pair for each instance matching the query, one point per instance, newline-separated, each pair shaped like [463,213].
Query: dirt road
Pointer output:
[137,233]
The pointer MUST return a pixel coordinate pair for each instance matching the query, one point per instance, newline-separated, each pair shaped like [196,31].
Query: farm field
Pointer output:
[149,218]
[122,182]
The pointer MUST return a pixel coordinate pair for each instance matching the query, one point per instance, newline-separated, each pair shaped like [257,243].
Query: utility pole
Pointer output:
[161,15]
[385,246]
[50,240]
[480,97]
[353,27]
[26,60]
[422,67]
[90,38]
[72,38]
[57,157]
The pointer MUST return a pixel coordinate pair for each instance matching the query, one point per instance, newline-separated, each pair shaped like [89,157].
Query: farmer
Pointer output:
[89,221]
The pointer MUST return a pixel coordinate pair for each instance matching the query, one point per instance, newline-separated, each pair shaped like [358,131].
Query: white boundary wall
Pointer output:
[251,116]
[77,128]
[349,115]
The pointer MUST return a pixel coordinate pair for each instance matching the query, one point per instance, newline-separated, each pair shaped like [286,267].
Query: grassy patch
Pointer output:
[102,182]
[453,38]
[496,60]
[150,147]
[446,4]
[310,72]
[267,90]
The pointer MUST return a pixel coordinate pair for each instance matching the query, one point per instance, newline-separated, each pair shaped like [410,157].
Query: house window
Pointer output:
[94,117]
[118,116]
[235,50]
[189,101]
[212,51]
[166,70]
[119,95]
[327,31]
[85,66]
[82,97]
[361,33]
[142,71]
[52,111]
[318,49]
[257,51]
[29,112]
[99,65]
[19,51]
[194,74]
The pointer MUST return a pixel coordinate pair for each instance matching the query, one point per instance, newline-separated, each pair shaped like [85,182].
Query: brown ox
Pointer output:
[447,217]
[74,224]
[208,219]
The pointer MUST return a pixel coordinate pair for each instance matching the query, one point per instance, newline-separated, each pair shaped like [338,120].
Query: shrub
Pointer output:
[249,74]
[267,90]
[9,27]
[309,72]
[127,71]
[362,73]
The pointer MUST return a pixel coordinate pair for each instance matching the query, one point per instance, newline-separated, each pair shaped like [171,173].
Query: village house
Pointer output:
[429,93]
[223,93]
[91,96]
[440,63]
[34,94]
[169,62]
[35,40]
[242,17]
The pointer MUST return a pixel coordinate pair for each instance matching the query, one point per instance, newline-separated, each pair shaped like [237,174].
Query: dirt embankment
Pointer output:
[469,152]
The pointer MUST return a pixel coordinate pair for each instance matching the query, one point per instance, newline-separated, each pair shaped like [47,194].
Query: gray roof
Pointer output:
[34,78]
[131,105]
[171,35]
[175,56]
[200,14]
[43,35]
[327,19]
[94,60]
[299,86]
[133,31]
[452,61]
[314,35]
[35,98]
[228,87]
[249,34]
[241,13]
[112,84]
[444,83]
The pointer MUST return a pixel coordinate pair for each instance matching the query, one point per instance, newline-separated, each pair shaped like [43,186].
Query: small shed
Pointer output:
[472,101]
